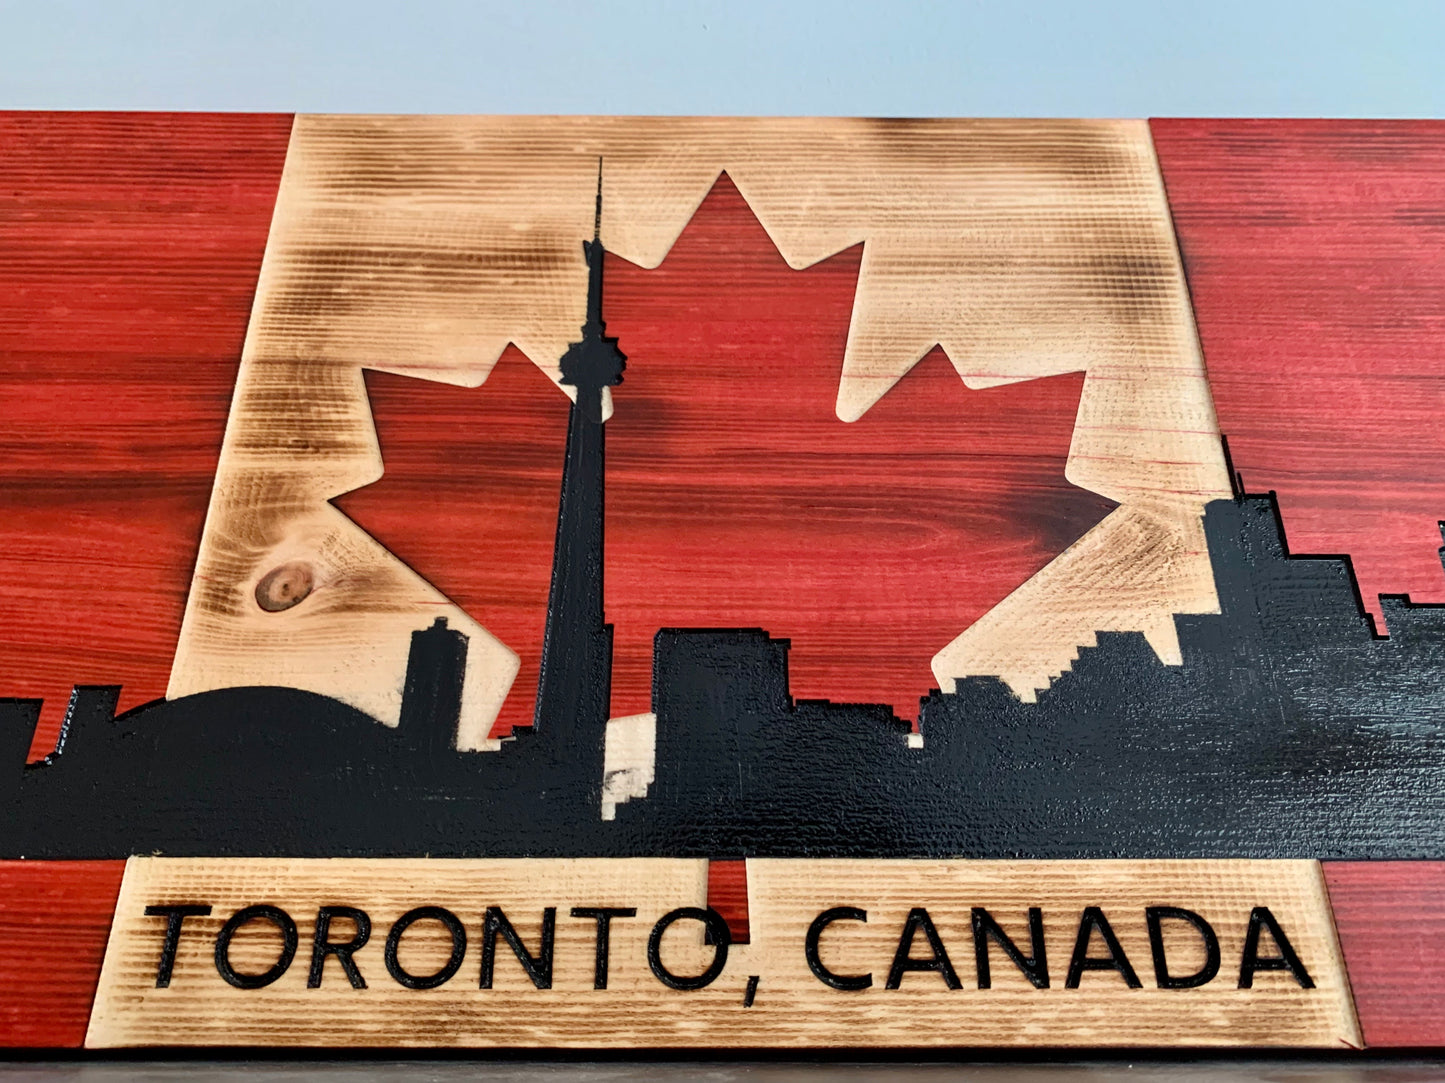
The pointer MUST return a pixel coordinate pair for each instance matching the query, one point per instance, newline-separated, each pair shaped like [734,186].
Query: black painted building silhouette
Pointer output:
[431,698]
[1289,730]
[575,679]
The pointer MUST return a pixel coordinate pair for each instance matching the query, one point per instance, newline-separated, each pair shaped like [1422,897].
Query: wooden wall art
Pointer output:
[616,582]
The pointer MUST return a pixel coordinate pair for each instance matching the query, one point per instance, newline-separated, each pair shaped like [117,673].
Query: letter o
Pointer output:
[718,930]
[450,967]
[276,916]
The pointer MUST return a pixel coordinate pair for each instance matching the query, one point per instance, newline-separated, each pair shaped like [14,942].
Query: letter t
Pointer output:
[603,916]
[174,915]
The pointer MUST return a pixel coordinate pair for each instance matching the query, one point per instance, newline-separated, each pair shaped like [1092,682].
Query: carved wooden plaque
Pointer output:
[697,583]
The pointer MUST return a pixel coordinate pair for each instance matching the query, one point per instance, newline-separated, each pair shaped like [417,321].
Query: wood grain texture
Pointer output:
[423,246]
[54,922]
[1390,917]
[1313,253]
[131,245]
[792,1007]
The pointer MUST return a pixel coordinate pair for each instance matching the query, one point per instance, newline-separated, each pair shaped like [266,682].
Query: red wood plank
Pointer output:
[54,921]
[1314,256]
[131,247]
[727,893]
[1390,916]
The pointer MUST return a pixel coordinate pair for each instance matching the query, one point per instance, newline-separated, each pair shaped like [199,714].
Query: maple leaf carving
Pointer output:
[735,495]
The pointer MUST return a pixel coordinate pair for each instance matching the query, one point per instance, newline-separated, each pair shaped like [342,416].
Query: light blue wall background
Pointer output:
[1200,57]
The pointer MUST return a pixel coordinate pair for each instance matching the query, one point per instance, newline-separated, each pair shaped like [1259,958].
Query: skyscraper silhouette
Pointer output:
[574,685]
[431,701]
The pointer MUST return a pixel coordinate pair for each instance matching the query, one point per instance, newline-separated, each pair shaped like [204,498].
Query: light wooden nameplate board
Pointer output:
[773,991]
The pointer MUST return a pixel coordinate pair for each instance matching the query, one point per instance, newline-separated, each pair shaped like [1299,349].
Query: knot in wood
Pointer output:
[285,586]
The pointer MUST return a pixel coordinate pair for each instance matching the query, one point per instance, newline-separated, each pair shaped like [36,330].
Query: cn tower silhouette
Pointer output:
[574,685]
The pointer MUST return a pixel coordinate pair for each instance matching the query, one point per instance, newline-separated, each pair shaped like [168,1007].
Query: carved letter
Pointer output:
[321,945]
[539,969]
[810,949]
[603,916]
[903,961]
[717,930]
[1035,967]
[1093,918]
[1260,917]
[1162,977]
[174,915]
[277,917]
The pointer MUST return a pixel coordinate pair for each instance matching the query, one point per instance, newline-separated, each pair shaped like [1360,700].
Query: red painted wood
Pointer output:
[129,249]
[727,893]
[1315,252]
[735,497]
[1390,916]
[54,921]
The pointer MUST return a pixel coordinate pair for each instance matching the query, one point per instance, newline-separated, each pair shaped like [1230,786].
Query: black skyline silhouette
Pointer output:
[1290,730]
